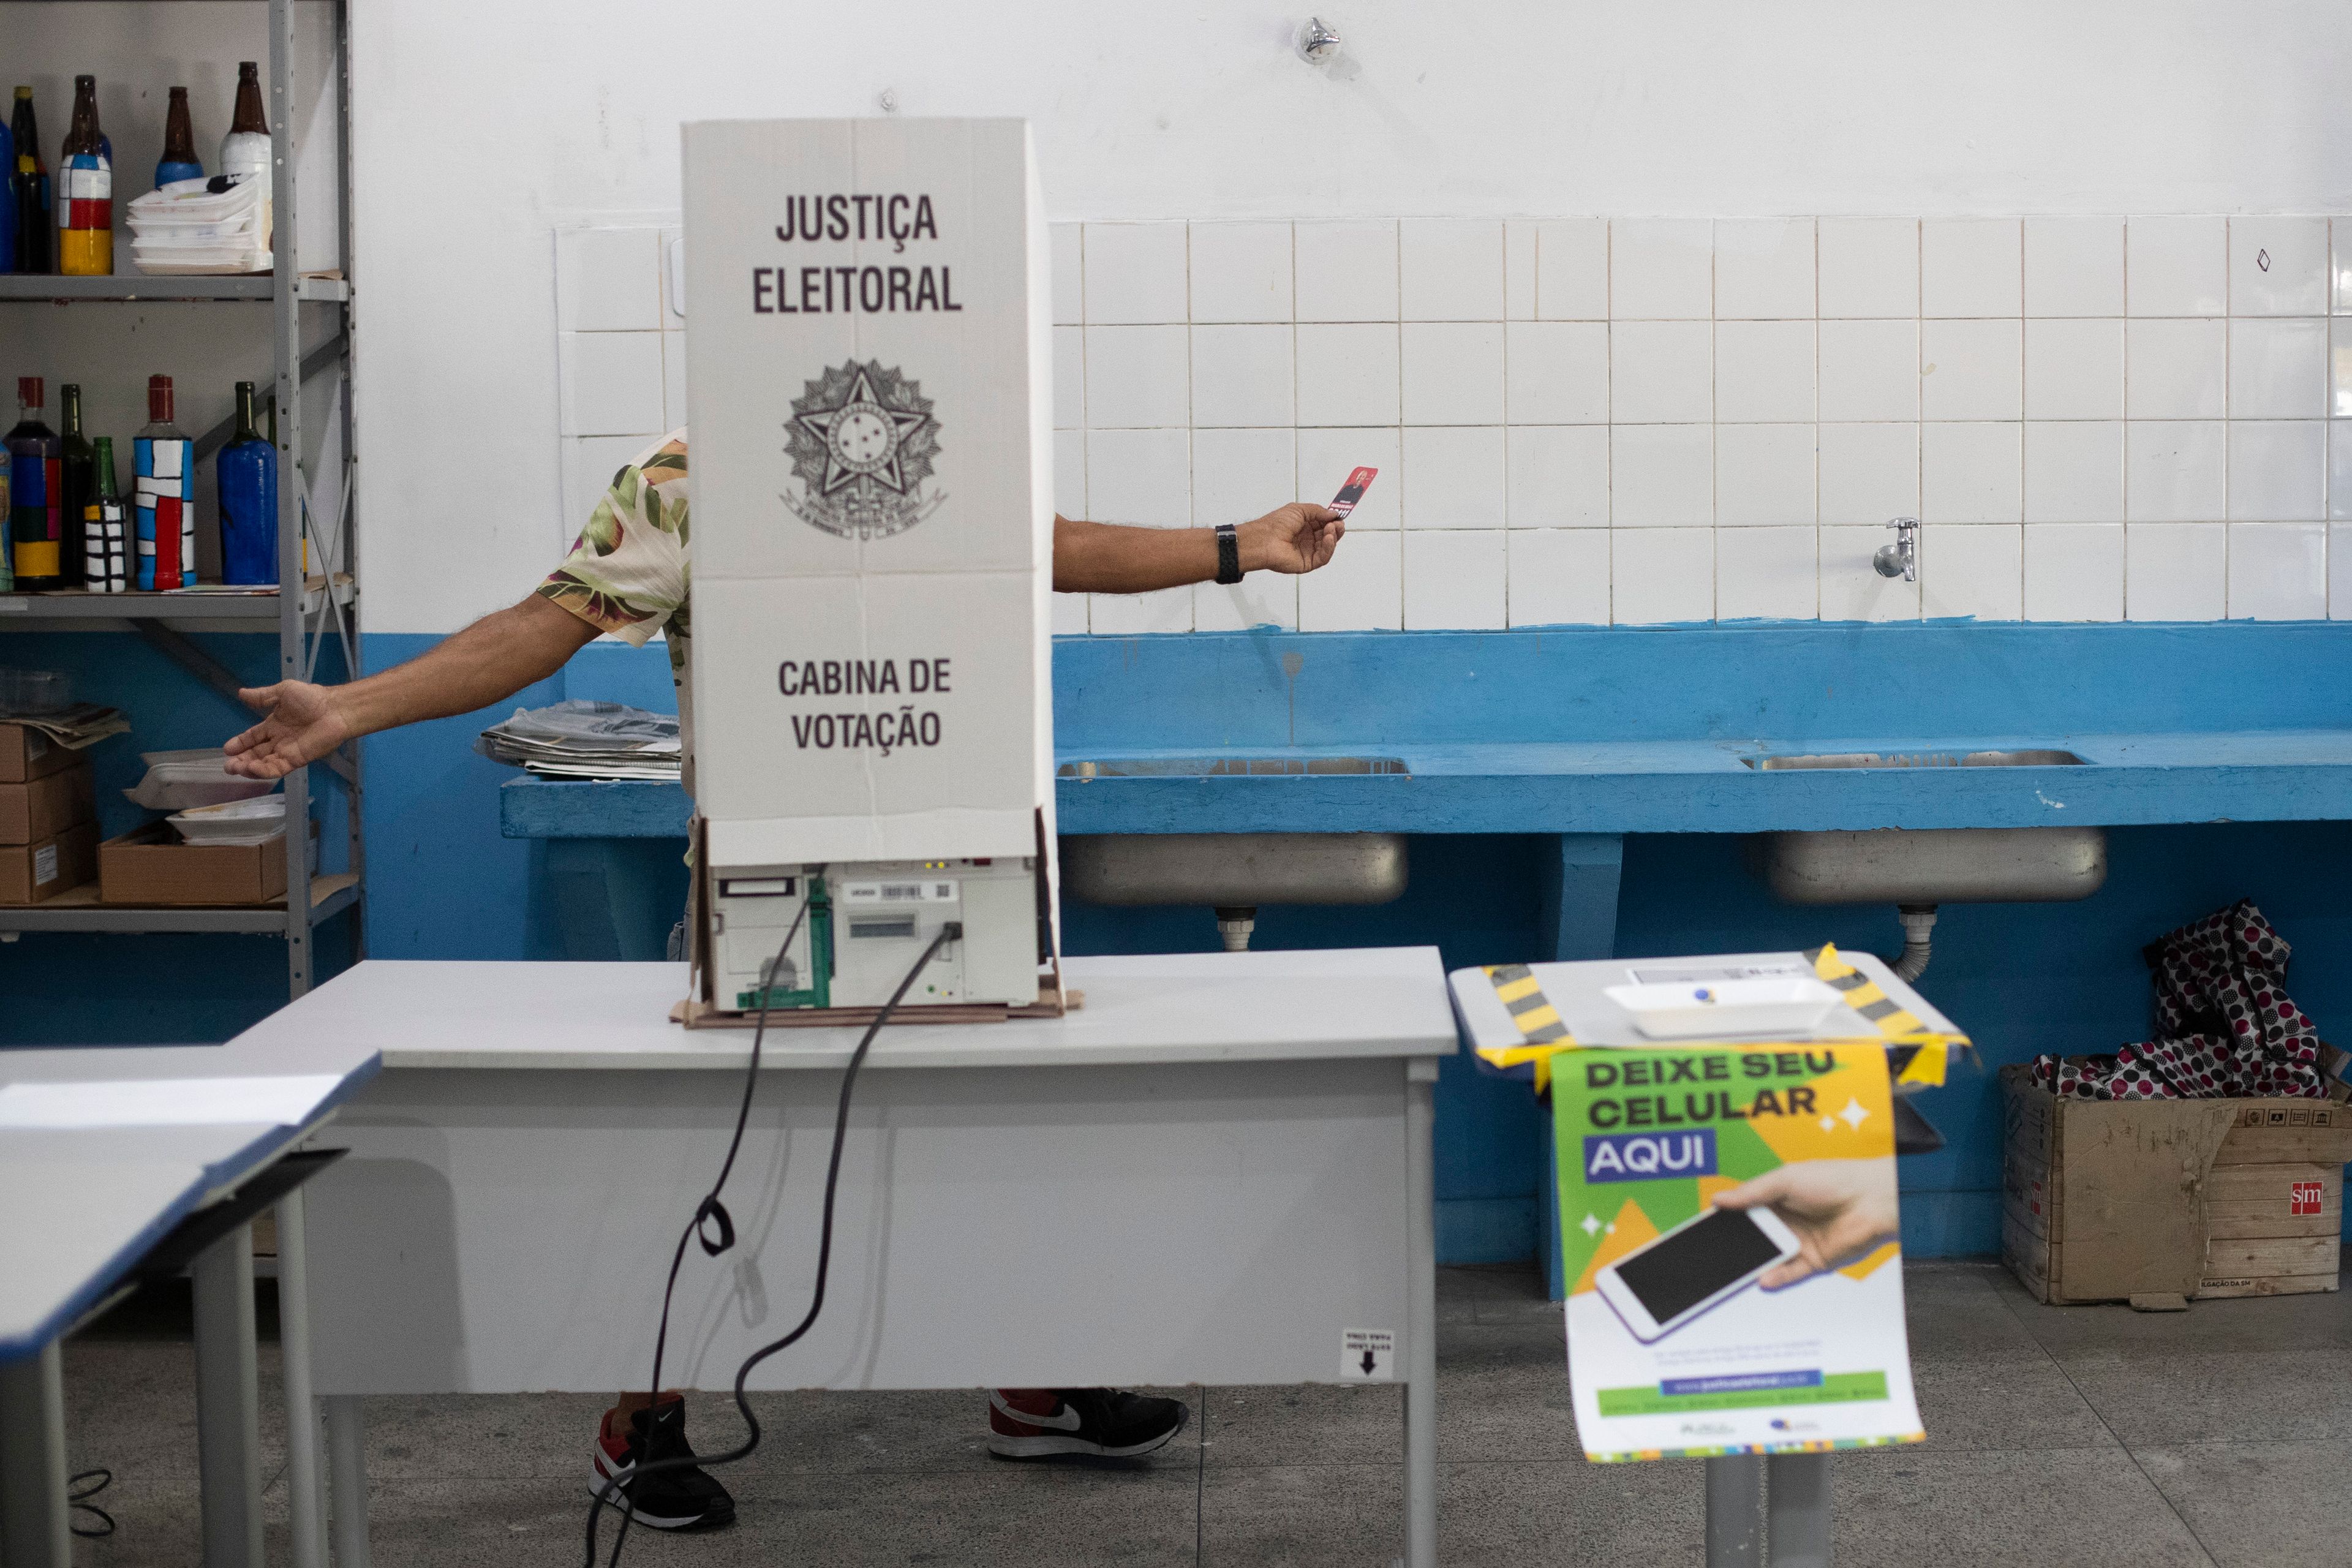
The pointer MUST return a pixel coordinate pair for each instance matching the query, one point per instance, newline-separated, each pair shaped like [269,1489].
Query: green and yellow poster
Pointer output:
[1730,1225]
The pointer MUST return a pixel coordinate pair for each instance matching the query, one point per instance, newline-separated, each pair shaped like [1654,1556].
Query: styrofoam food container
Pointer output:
[1793,1006]
[234,822]
[176,781]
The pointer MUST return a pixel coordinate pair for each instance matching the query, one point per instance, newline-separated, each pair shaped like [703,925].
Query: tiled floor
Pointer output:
[2061,1437]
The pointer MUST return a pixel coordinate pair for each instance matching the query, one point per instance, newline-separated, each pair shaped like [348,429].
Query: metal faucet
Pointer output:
[1900,559]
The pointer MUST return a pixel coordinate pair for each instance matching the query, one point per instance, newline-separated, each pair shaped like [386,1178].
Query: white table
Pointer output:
[86,1205]
[1206,1174]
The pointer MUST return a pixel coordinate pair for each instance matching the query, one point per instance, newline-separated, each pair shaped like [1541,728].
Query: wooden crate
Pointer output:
[2105,1200]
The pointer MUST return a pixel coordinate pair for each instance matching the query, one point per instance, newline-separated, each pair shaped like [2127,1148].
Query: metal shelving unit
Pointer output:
[326,608]
[58,289]
[79,911]
[199,612]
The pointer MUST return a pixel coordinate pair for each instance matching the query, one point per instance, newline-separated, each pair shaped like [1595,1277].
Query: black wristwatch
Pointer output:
[1229,554]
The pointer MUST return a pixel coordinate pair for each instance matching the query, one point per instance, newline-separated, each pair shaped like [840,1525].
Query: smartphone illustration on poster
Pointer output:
[1715,1254]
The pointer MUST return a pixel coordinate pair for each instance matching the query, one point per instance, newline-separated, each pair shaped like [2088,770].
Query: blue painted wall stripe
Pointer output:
[1798,680]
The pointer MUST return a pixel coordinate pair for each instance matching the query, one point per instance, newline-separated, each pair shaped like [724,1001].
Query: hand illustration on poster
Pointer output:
[1837,1209]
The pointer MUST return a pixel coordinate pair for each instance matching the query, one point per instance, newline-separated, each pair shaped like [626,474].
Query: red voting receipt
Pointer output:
[1353,490]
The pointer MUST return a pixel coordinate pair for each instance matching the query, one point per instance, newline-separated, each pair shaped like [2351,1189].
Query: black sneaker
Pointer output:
[1106,1422]
[672,1499]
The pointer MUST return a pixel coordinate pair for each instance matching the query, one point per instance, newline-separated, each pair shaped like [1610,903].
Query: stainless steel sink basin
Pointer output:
[1233,873]
[2026,759]
[1918,868]
[1935,865]
[1226,767]
[1235,869]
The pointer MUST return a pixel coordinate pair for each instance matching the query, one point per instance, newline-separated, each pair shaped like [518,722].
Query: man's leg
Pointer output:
[1109,1423]
[640,1428]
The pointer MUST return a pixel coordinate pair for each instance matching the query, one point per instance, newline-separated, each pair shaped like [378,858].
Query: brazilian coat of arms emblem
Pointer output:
[862,438]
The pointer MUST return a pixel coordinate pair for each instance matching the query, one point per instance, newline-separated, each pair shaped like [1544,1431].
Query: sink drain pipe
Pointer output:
[1234,924]
[1919,923]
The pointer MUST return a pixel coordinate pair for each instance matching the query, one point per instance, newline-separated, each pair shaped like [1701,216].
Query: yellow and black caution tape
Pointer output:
[1541,1034]
[1915,1054]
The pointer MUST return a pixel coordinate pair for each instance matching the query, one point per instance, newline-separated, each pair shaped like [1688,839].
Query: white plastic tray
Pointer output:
[1789,1004]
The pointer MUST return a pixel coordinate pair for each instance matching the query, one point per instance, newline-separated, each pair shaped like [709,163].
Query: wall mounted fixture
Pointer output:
[1900,559]
[1317,42]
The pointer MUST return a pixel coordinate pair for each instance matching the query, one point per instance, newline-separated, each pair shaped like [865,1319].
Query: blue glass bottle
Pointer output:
[247,472]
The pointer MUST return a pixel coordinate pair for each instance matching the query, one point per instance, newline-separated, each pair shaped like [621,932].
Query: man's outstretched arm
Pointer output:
[1107,558]
[490,661]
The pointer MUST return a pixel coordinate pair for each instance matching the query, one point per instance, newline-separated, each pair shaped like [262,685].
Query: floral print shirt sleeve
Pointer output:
[626,574]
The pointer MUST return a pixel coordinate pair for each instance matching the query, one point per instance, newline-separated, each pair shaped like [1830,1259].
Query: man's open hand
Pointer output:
[303,723]
[1295,538]
[1837,1207]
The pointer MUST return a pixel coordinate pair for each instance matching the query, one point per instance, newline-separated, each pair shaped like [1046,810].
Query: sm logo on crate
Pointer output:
[2304,1199]
[1649,1156]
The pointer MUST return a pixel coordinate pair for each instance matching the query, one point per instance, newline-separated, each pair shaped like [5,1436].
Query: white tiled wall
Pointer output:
[621,356]
[1656,421]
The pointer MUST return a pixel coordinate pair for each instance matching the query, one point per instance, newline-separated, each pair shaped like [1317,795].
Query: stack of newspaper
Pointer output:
[77,728]
[577,739]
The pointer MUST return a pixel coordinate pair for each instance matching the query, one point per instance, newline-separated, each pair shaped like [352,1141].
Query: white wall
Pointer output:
[1651,421]
[482,129]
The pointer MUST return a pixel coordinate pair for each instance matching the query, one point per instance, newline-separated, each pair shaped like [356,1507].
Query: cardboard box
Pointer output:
[2106,1200]
[149,865]
[27,754]
[48,805]
[35,873]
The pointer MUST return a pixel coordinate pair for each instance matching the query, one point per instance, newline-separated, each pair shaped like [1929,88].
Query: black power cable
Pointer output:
[710,1209]
[79,1489]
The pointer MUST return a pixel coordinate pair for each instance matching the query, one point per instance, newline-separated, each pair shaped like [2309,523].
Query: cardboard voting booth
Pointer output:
[1729,1208]
[868,394]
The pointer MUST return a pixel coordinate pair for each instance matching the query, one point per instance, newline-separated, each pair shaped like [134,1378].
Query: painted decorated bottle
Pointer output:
[179,159]
[80,465]
[244,151]
[28,187]
[163,462]
[247,472]
[105,526]
[35,495]
[85,190]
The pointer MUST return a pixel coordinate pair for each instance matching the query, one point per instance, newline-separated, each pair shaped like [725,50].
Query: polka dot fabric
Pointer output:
[2225,1027]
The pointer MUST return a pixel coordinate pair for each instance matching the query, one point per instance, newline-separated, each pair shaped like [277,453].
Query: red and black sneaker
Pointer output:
[686,1499]
[1031,1423]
